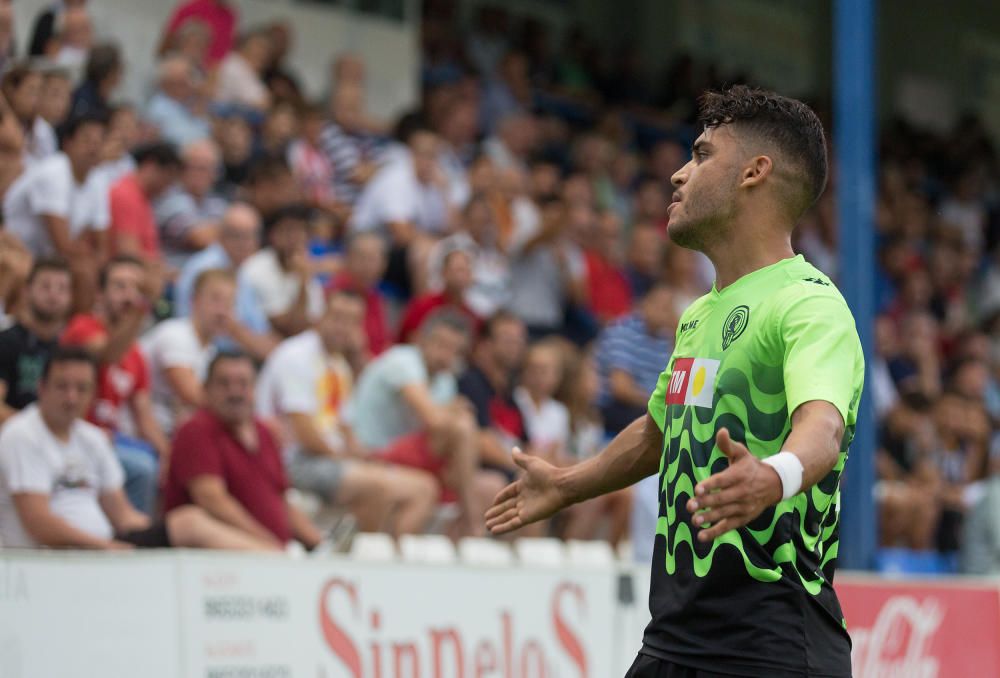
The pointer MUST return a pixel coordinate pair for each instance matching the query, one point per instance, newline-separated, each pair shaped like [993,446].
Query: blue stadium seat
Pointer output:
[900,561]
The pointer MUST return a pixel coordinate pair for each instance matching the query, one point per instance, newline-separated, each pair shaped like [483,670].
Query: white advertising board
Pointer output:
[278,619]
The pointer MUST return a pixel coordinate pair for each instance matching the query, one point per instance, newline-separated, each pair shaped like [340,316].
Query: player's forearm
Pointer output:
[634,454]
[817,431]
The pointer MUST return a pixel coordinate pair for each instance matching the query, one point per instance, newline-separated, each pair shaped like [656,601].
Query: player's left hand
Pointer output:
[732,498]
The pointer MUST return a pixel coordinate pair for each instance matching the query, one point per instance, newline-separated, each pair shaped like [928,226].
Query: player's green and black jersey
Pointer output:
[759,600]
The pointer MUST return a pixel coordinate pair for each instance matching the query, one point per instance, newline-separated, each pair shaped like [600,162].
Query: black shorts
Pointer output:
[153,537]
[646,666]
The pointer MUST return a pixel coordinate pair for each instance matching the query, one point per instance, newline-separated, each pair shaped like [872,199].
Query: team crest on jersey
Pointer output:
[736,323]
[692,382]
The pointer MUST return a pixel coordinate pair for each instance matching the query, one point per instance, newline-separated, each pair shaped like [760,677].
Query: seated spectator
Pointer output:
[221,17]
[56,211]
[644,259]
[174,107]
[363,269]
[269,185]
[25,347]
[22,89]
[456,279]
[547,271]
[608,293]
[488,383]
[351,148]
[490,288]
[133,223]
[15,267]
[280,274]
[310,165]
[909,481]
[513,143]
[61,487]
[279,129]
[71,44]
[305,386]
[405,408]
[57,97]
[579,393]
[631,355]
[45,28]
[406,201]
[546,420]
[122,404]
[239,234]
[178,350]
[228,463]
[240,74]
[188,214]
[51,208]
[102,76]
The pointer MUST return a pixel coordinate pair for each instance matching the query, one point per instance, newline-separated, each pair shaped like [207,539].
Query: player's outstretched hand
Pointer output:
[732,498]
[532,497]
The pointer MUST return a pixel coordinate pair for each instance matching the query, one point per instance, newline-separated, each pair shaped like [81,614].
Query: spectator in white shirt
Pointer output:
[546,420]
[55,209]
[304,387]
[240,74]
[280,274]
[407,201]
[178,351]
[22,89]
[61,486]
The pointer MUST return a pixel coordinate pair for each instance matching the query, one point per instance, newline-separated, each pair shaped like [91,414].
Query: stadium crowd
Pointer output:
[241,290]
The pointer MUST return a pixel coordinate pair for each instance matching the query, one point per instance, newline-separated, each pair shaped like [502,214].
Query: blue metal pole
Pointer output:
[854,138]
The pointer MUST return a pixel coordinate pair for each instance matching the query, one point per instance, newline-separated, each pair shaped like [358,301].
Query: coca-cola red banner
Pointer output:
[921,629]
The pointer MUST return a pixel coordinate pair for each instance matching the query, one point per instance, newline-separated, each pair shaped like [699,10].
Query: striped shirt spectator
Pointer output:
[631,354]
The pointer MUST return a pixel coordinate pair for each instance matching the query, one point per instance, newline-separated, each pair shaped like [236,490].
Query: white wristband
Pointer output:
[790,470]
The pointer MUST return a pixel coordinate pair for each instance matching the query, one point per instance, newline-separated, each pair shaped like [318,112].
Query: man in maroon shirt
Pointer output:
[229,464]
[456,278]
[363,269]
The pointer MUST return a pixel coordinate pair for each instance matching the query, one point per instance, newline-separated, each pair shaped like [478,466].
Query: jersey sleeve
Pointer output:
[658,402]
[822,353]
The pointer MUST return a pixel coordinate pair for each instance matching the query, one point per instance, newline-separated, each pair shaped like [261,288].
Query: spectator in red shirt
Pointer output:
[608,290]
[133,223]
[363,269]
[228,463]
[221,18]
[456,278]
[110,333]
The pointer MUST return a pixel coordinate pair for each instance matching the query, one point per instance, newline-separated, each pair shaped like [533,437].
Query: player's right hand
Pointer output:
[532,497]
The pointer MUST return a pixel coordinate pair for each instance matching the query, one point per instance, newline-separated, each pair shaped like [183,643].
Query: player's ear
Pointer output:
[756,171]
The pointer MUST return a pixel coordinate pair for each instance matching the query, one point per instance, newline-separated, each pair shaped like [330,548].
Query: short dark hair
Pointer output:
[102,61]
[48,264]
[266,168]
[118,260]
[75,123]
[68,354]
[499,318]
[159,153]
[293,212]
[449,318]
[223,356]
[787,123]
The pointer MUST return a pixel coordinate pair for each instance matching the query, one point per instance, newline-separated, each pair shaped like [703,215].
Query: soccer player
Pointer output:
[750,421]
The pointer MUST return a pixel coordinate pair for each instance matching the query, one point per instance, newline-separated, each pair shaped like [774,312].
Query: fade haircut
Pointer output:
[787,124]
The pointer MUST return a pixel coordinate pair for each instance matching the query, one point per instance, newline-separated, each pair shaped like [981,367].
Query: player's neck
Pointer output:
[752,254]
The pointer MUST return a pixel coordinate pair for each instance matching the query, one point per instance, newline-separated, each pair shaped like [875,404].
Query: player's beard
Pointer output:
[706,215]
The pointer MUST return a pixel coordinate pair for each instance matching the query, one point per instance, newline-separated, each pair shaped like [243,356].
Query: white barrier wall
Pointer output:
[181,614]
[189,614]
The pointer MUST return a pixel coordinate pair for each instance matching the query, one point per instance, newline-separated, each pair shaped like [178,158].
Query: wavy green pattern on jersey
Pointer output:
[799,535]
